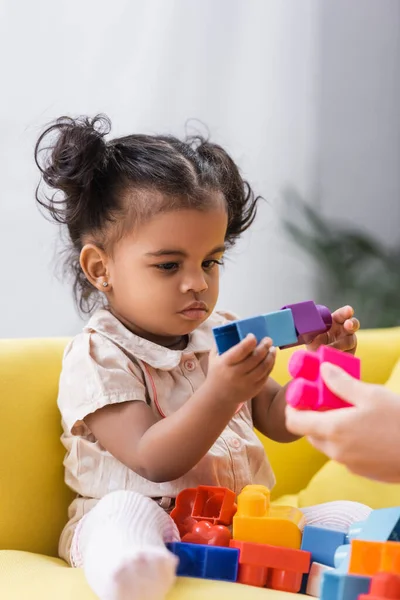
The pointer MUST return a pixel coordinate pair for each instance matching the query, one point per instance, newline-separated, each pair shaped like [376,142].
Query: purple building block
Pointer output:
[310,320]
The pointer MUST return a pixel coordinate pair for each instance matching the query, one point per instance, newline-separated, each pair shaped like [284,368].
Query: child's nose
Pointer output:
[196,282]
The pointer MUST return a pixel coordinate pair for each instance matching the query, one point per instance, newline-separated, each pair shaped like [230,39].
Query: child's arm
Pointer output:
[269,413]
[270,404]
[167,449]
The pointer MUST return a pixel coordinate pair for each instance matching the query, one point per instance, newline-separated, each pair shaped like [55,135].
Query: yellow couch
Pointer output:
[34,498]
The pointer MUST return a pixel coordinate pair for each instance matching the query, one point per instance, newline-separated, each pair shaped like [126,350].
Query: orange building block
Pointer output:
[384,586]
[365,557]
[391,558]
[274,567]
[369,558]
[258,522]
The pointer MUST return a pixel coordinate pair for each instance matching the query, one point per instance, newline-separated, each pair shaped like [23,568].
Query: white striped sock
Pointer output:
[121,546]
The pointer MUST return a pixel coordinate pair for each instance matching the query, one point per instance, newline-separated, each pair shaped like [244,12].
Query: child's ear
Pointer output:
[93,261]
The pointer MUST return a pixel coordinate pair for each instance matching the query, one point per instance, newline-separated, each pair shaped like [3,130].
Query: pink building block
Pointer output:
[307,391]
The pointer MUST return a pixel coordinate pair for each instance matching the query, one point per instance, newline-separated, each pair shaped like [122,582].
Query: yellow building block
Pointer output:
[257,521]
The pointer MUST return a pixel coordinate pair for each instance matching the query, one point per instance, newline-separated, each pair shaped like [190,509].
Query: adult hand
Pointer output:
[365,437]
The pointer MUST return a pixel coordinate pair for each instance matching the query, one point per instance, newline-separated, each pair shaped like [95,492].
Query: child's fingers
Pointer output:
[352,325]
[257,357]
[265,367]
[345,343]
[342,314]
[242,350]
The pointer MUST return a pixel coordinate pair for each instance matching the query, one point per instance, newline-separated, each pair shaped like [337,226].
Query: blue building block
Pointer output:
[342,558]
[206,562]
[339,586]
[304,583]
[382,525]
[322,543]
[279,326]
[355,530]
[256,325]
[226,336]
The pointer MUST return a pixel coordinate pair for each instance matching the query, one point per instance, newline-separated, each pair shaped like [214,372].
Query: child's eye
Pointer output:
[209,264]
[170,266]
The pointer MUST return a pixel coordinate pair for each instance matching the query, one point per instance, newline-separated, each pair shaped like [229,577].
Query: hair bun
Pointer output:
[74,156]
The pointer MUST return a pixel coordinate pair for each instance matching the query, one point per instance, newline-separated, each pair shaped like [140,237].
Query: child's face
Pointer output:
[163,267]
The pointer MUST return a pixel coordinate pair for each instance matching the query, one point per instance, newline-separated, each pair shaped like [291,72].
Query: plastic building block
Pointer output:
[214,504]
[226,336]
[257,521]
[205,533]
[322,543]
[280,328]
[308,391]
[293,325]
[368,558]
[314,579]
[340,586]
[277,325]
[275,567]
[310,320]
[365,557]
[206,562]
[342,558]
[383,586]
[204,503]
[382,525]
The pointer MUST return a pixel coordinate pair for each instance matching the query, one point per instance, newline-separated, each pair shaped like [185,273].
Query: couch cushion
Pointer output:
[335,482]
[26,576]
[34,498]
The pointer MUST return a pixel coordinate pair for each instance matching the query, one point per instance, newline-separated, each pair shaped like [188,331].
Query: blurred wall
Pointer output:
[278,82]
[359,114]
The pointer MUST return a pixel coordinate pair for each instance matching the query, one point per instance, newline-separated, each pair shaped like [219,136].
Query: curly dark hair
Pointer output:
[100,188]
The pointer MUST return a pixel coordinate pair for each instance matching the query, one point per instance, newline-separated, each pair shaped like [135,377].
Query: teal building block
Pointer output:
[281,328]
[341,586]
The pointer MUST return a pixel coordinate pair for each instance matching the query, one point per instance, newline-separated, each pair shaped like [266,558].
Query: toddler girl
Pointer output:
[148,407]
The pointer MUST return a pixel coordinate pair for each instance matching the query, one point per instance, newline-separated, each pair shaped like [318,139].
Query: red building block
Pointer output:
[204,503]
[384,586]
[307,391]
[211,535]
[275,567]
[214,504]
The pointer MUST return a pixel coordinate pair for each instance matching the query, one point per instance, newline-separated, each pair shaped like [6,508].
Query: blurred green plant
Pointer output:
[353,267]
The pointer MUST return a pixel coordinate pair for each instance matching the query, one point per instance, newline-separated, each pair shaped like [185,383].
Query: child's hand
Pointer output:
[241,372]
[342,333]
[366,437]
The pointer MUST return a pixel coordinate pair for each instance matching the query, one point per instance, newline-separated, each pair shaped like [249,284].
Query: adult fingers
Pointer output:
[346,387]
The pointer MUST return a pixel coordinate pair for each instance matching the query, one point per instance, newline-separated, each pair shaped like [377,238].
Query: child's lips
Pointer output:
[195,311]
